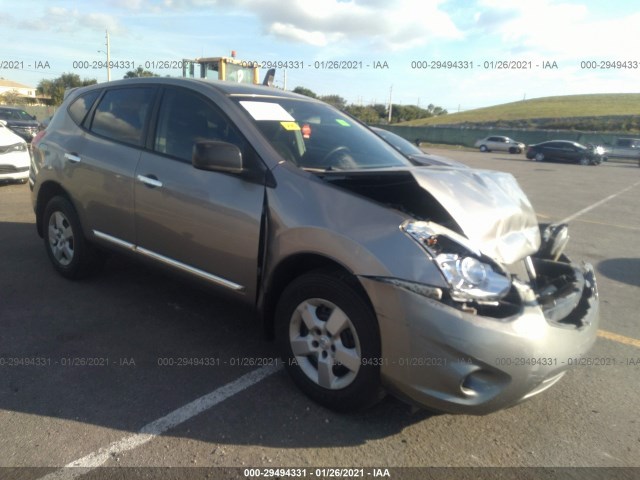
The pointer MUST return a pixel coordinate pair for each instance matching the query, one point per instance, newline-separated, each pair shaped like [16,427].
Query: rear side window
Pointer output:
[122,114]
[80,106]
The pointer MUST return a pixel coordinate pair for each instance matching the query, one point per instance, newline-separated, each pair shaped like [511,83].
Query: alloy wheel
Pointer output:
[61,239]
[325,343]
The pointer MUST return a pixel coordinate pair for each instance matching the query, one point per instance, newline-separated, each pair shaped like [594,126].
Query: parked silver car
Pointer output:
[622,148]
[499,144]
[434,283]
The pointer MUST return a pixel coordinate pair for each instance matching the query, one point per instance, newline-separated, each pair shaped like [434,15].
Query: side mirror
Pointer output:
[217,157]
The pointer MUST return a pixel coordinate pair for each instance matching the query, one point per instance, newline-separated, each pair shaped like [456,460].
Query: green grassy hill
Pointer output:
[595,111]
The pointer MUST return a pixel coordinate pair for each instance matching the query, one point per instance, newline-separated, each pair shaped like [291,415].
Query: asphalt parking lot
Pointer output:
[100,373]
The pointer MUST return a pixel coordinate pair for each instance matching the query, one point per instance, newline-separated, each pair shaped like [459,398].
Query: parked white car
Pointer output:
[14,156]
[497,143]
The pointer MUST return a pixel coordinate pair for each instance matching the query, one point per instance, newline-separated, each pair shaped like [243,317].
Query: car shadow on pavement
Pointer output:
[132,344]
[625,270]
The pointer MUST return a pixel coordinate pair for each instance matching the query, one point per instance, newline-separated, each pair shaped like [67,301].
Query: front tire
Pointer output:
[539,157]
[329,340]
[71,255]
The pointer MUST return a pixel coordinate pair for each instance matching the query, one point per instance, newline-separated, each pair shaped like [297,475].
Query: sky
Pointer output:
[455,54]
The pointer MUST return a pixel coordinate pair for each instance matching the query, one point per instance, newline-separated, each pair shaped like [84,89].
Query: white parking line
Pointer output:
[597,204]
[151,430]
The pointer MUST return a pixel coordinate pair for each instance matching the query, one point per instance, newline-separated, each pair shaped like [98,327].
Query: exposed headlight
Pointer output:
[554,240]
[468,276]
[471,279]
[17,147]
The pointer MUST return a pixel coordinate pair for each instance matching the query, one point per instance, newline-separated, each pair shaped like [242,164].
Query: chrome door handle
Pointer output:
[72,157]
[150,181]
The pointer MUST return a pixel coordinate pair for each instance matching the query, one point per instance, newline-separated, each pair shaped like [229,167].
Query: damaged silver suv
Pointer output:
[374,275]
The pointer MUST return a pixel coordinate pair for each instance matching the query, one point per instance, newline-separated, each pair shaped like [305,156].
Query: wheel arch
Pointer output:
[47,191]
[292,267]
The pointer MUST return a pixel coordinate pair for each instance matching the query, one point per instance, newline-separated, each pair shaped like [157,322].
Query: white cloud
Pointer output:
[159,5]
[130,4]
[188,3]
[291,32]
[564,30]
[393,25]
[388,24]
[59,19]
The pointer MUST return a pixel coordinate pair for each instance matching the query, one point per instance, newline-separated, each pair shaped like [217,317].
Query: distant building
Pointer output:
[26,93]
[23,90]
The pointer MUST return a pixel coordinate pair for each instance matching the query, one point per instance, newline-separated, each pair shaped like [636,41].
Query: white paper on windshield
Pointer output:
[264,111]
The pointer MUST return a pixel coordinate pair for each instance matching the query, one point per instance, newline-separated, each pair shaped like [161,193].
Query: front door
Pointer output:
[206,223]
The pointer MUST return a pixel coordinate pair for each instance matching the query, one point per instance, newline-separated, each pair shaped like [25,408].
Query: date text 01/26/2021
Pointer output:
[319,473]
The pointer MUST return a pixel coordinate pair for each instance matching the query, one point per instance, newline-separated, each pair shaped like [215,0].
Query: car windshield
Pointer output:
[15,115]
[315,136]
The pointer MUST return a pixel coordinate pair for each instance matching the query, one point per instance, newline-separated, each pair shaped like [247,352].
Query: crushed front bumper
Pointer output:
[461,361]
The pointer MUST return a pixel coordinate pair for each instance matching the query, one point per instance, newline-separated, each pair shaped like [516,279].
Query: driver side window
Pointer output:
[187,118]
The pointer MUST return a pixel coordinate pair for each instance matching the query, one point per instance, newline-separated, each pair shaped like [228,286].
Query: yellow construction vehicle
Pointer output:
[222,68]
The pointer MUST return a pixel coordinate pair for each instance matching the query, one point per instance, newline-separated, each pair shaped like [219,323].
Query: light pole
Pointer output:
[108,58]
[390,104]
[108,52]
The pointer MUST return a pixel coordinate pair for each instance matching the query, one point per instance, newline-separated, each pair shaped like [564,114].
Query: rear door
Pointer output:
[500,144]
[202,222]
[100,161]
[493,143]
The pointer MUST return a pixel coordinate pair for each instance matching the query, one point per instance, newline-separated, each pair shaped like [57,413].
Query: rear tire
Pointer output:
[70,253]
[329,340]
[483,148]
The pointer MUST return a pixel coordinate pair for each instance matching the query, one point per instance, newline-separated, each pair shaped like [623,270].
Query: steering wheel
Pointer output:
[342,155]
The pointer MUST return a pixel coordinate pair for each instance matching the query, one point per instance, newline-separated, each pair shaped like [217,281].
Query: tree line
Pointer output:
[55,88]
[372,114]
[377,113]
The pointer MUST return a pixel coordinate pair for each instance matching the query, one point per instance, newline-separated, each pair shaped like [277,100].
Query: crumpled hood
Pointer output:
[490,208]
